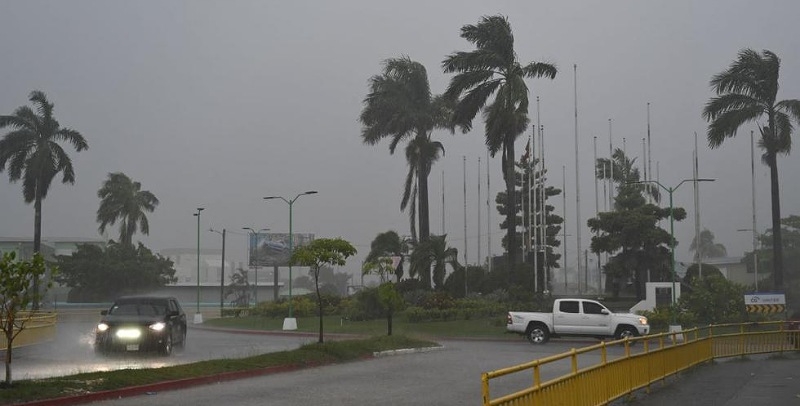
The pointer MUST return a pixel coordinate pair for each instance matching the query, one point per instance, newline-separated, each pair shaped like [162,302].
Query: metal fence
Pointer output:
[604,372]
[38,327]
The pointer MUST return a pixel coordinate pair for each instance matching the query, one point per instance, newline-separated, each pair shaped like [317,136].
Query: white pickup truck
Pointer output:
[576,317]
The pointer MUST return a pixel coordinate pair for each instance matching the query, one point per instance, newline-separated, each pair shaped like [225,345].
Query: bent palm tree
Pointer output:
[122,199]
[400,106]
[430,259]
[707,248]
[493,68]
[31,152]
[746,92]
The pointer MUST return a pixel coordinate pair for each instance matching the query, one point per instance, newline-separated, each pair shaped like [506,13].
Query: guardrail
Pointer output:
[39,327]
[602,373]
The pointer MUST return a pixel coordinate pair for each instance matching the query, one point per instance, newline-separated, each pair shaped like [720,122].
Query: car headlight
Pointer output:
[102,327]
[157,326]
[643,321]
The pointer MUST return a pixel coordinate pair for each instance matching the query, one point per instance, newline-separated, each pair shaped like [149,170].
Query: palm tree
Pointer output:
[493,68]
[122,199]
[625,173]
[431,257]
[32,152]
[400,106]
[746,92]
[707,247]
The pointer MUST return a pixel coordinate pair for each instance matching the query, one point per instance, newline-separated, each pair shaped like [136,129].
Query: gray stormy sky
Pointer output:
[216,104]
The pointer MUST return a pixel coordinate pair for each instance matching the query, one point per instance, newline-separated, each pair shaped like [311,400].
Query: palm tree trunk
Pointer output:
[511,199]
[424,218]
[777,240]
[37,242]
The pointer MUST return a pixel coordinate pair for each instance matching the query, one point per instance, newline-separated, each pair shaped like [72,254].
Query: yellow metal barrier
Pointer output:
[39,327]
[604,372]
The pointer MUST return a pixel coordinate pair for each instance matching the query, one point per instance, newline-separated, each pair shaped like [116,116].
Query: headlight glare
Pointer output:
[157,326]
[102,327]
[643,321]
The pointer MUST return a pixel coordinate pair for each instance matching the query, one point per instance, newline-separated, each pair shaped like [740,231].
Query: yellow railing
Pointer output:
[39,327]
[604,372]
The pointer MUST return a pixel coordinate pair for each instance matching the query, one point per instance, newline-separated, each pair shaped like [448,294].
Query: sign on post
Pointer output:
[765,302]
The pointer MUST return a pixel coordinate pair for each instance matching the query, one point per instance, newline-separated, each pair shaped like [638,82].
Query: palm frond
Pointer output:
[726,124]
[539,70]
[791,107]
[73,137]
[717,106]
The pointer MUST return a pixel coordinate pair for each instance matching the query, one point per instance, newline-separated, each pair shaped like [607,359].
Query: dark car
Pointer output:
[141,323]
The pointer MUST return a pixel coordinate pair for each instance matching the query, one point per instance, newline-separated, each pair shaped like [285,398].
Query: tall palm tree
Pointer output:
[31,151]
[746,92]
[121,199]
[400,107]
[430,259]
[493,69]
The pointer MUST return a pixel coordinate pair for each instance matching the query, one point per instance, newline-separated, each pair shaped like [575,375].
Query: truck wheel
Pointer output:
[537,333]
[626,332]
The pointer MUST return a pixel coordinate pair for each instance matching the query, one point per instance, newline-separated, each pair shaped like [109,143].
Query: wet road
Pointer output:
[72,352]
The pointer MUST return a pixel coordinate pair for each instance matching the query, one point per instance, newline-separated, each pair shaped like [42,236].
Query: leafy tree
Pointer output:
[714,299]
[746,92]
[101,274]
[707,247]
[16,278]
[791,254]
[399,106]
[323,251]
[433,253]
[493,69]
[631,234]
[31,152]
[529,180]
[239,288]
[122,199]
[476,281]
[389,298]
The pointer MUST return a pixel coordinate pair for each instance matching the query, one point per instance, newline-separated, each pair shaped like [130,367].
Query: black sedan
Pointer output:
[141,323]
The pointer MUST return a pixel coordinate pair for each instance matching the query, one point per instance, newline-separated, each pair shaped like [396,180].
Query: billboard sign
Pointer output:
[272,249]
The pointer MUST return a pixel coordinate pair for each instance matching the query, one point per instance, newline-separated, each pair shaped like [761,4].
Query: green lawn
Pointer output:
[480,327]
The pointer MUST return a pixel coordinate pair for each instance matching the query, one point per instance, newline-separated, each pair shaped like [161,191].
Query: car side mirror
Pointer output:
[173,313]
[604,311]
[104,312]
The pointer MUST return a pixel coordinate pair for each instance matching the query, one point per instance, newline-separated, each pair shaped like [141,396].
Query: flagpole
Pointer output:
[611,164]
[697,247]
[578,225]
[464,161]
[488,214]
[543,233]
[533,219]
[596,213]
[443,232]
[479,214]
[564,225]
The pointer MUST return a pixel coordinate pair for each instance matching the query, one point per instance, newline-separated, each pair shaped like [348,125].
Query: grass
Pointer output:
[307,355]
[480,327]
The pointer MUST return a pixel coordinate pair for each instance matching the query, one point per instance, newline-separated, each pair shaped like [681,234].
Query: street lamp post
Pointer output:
[670,190]
[755,256]
[290,323]
[221,273]
[198,317]
[255,262]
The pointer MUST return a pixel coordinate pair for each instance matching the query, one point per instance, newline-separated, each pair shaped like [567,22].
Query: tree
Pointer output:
[16,280]
[631,234]
[493,69]
[529,203]
[323,251]
[707,247]
[31,152]
[239,288]
[388,297]
[122,199]
[388,244]
[624,173]
[101,274]
[400,106]
[713,299]
[746,92]
[433,253]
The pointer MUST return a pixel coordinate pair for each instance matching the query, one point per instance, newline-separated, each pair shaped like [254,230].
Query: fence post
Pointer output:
[485,388]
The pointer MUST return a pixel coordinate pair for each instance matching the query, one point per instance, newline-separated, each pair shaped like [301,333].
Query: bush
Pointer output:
[362,306]
[302,306]
[417,314]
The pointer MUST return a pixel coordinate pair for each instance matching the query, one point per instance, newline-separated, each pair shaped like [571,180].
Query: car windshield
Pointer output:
[138,309]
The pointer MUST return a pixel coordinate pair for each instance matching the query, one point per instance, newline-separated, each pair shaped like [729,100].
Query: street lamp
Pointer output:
[670,190]
[198,317]
[221,273]
[255,262]
[290,323]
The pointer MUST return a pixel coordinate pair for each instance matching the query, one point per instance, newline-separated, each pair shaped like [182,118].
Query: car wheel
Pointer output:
[166,348]
[626,332]
[182,345]
[537,333]
[100,350]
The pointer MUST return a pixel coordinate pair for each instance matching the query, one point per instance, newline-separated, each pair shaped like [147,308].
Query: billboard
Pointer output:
[272,249]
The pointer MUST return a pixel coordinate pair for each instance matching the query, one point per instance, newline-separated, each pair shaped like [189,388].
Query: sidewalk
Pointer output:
[754,380]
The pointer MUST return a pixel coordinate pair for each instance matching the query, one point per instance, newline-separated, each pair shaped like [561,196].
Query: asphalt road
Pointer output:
[72,351]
